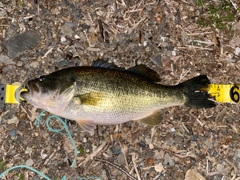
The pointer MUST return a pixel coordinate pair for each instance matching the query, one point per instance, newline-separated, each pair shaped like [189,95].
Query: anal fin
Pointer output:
[86,126]
[154,119]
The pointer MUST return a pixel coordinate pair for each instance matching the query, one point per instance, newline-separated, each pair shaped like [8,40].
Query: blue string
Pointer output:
[59,131]
[37,122]
[24,166]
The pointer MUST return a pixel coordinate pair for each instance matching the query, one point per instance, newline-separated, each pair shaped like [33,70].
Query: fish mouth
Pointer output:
[31,87]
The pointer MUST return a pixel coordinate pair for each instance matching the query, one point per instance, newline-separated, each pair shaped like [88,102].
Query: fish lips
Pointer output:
[32,87]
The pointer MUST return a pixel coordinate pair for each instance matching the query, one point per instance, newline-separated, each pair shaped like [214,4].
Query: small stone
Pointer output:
[159,154]
[66,30]
[116,149]
[192,174]
[117,136]
[84,140]
[12,132]
[22,116]
[174,53]
[141,144]
[235,41]
[149,142]
[157,60]
[149,161]
[43,155]
[64,63]
[28,151]
[193,138]
[3,13]
[121,159]
[145,43]
[76,36]
[19,63]
[168,160]
[6,60]
[21,43]
[170,142]
[63,39]
[178,139]
[29,162]
[209,143]
[13,120]
[101,13]
[236,26]
[159,168]
[34,64]
[237,51]
[159,18]
[55,11]
[237,160]
[220,167]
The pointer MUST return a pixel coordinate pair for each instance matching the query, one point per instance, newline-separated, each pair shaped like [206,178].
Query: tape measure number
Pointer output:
[234,93]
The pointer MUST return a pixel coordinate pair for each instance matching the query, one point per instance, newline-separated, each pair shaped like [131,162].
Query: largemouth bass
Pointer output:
[106,94]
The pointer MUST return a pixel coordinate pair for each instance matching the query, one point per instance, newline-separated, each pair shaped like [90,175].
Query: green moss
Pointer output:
[81,150]
[3,165]
[219,15]
[20,176]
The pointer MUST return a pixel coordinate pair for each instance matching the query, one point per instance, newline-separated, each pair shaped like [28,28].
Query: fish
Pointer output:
[105,94]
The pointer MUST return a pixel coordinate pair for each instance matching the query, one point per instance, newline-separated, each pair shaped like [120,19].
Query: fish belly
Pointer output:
[116,109]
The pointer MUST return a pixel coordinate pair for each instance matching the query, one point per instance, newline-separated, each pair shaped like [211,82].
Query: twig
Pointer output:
[184,127]
[195,47]
[47,160]
[204,42]
[49,50]
[135,166]
[124,150]
[182,76]
[201,33]
[135,25]
[89,43]
[221,113]
[115,166]
[94,154]
[93,49]
[157,177]
[199,122]
[234,4]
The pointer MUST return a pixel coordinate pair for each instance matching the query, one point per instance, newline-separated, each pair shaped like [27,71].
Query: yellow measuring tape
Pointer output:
[223,93]
[10,94]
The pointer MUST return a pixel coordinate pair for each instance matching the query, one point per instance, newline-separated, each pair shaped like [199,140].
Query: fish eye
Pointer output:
[41,78]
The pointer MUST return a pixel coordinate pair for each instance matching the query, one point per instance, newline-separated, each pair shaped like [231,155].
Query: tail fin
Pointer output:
[196,92]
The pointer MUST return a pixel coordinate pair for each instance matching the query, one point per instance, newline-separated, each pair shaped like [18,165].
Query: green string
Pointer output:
[38,121]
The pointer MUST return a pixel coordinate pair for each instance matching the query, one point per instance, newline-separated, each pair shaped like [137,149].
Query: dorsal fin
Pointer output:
[146,72]
[141,70]
[104,64]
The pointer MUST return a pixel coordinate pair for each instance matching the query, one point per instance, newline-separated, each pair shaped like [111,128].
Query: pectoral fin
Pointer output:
[86,126]
[91,98]
[152,120]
